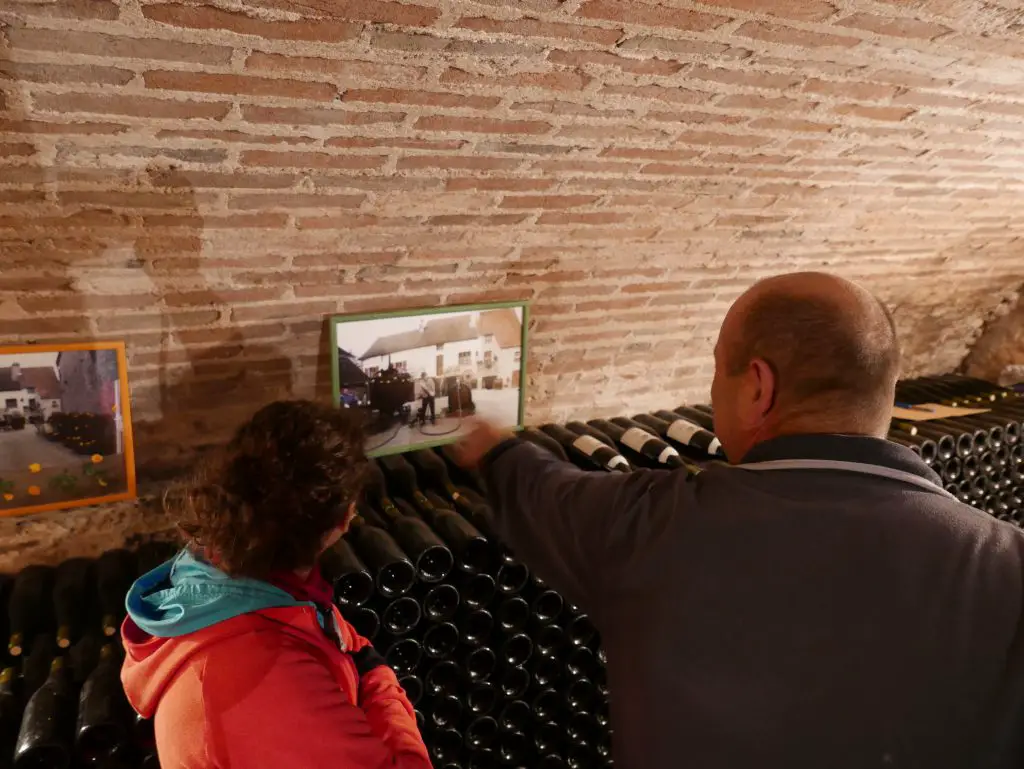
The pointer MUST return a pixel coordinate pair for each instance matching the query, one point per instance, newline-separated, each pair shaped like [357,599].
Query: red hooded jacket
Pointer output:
[240,688]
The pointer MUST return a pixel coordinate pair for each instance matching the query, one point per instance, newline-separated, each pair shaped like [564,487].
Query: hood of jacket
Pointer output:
[186,604]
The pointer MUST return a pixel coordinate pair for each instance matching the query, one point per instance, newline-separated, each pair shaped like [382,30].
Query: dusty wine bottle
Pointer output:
[482,699]
[516,650]
[482,759]
[432,559]
[481,733]
[352,582]
[646,441]
[444,711]
[515,716]
[445,745]
[443,678]
[547,607]
[586,450]
[548,738]
[30,607]
[365,621]
[440,640]
[687,432]
[582,696]
[697,416]
[471,548]
[512,577]
[638,446]
[515,682]
[546,671]
[433,471]
[103,711]
[480,663]
[401,616]
[513,749]
[115,572]
[580,630]
[513,614]
[439,602]
[44,739]
[404,656]
[475,626]
[10,712]
[478,591]
[548,640]
[72,592]
[538,438]
[393,572]
[413,688]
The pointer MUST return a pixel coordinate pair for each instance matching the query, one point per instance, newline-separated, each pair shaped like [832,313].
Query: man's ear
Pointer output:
[766,387]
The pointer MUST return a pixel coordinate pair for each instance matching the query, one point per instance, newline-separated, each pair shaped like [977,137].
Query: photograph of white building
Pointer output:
[418,376]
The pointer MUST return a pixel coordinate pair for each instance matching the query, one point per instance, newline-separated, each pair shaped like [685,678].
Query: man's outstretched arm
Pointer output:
[580,531]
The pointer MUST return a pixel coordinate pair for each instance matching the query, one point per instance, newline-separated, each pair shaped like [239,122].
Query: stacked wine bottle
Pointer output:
[501,670]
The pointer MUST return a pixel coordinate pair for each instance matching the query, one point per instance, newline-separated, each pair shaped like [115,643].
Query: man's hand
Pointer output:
[482,437]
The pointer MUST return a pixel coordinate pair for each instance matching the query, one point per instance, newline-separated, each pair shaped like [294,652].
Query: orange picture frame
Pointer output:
[65,427]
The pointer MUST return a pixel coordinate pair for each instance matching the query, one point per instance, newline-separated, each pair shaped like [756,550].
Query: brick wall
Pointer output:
[208,182]
[998,355]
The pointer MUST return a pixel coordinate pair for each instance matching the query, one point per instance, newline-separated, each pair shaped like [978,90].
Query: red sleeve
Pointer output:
[387,707]
[281,707]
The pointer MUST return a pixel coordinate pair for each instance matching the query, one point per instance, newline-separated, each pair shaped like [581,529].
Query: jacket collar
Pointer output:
[842,448]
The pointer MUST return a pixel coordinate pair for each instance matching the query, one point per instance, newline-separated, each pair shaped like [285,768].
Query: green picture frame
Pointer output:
[376,389]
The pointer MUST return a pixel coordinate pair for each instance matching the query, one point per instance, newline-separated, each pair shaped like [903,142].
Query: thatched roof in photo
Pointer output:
[505,325]
[435,332]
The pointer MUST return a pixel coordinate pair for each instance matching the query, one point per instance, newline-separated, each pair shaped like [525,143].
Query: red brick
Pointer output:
[650,154]
[239,137]
[47,327]
[421,98]
[601,217]
[133,106]
[774,33]
[748,101]
[21,197]
[293,200]
[317,116]
[599,133]
[677,169]
[349,258]
[793,124]
[57,73]
[131,199]
[890,114]
[538,28]
[720,139]
[732,159]
[798,10]
[207,17]
[238,180]
[649,15]
[470,220]
[548,201]
[278,311]
[406,14]
[269,159]
[481,125]
[603,59]
[1014,109]
[569,108]
[584,167]
[653,201]
[497,183]
[177,320]
[210,222]
[462,162]
[362,142]
[920,99]
[116,46]
[360,71]
[104,10]
[40,127]
[221,296]
[697,118]
[17,150]
[850,90]
[661,93]
[395,303]
[239,85]
[550,81]
[902,27]
[747,78]
[908,79]
[80,220]
[346,221]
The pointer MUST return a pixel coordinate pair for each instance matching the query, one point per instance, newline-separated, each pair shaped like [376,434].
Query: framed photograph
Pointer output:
[416,375]
[65,427]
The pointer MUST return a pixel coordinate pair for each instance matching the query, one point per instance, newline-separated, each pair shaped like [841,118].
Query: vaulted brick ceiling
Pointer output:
[208,182]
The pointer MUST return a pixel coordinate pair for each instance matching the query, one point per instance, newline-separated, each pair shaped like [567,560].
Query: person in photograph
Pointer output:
[425,392]
[818,601]
[235,647]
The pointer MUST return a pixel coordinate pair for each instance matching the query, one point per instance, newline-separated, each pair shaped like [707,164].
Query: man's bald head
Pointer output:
[830,344]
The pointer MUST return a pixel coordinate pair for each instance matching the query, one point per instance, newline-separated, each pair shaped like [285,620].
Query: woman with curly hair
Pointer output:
[235,646]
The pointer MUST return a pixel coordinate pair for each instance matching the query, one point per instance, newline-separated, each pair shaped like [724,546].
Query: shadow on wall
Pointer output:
[104,241]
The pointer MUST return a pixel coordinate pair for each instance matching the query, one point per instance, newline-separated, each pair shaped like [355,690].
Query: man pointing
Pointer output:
[819,603]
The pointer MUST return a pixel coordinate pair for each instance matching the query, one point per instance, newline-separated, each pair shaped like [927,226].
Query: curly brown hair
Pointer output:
[267,501]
